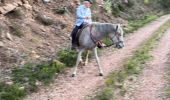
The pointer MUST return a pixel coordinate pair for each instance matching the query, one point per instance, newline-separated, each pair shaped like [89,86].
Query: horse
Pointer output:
[94,33]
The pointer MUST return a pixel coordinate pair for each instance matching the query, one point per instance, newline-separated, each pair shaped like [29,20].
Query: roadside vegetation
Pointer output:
[27,78]
[135,24]
[167,88]
[132,67]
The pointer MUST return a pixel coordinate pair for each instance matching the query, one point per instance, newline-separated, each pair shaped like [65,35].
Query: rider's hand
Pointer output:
[87,17]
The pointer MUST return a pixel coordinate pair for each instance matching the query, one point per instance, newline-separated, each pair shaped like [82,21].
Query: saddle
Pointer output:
[79,32]
[99,44]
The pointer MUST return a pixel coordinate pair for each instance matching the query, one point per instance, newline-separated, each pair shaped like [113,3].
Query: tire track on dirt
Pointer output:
[152,81]
[68,88]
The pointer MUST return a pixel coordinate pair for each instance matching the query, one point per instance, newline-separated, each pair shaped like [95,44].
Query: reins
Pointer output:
[97,41]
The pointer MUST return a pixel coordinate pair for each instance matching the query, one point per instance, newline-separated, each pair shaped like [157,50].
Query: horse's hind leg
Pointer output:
[97,59]
[77,62]
[87,58]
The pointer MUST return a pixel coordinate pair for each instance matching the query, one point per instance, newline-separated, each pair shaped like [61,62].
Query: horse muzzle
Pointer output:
[120,45]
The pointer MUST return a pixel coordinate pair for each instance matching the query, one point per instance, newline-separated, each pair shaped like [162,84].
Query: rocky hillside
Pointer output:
[33,30]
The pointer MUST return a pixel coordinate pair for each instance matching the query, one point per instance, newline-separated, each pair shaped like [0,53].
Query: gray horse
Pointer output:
[94,33]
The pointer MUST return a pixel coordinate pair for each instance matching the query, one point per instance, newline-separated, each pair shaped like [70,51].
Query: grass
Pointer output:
[69,57]
[11,92]
[107,6]
[135,24]
[132,67]
[167,88]
[28,77]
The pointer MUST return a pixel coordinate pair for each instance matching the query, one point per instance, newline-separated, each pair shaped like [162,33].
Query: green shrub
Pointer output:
[165,3]
[29,74]
[115,9]
[11,92]
[135,24]
[68,57]
[107,41]
[106,94]
[108,6]
[46,72]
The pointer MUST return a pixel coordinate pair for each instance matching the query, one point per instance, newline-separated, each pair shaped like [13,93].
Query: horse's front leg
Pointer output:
[77,62]
[97,59]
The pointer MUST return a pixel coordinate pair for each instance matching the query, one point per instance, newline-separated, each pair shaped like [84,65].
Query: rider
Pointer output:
[83,15]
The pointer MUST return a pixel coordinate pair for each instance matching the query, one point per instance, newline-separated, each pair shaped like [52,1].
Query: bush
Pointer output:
[135,24]
[165,3]
[68,57]
[107,41]
[29,74]
[106,94]
[11,92]
[108,6]
[46,72]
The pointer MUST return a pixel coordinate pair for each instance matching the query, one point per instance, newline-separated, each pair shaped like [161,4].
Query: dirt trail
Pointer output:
[151,82]
[87,80]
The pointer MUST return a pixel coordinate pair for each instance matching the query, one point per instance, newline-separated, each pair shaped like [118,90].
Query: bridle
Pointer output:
[117,34]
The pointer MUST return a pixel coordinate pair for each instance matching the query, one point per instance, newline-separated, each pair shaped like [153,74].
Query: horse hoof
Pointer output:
[85,64]
[73,75]
[100,74]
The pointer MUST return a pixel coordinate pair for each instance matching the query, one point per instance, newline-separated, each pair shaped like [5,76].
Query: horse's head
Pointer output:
[117,37]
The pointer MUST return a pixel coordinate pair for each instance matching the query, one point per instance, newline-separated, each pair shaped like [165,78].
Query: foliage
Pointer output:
[135,24]
[68,57]
[165,3]
[11,92]
[107,6]
[43,72]
[107,41]
[27,77]
[167,88]
[106,94]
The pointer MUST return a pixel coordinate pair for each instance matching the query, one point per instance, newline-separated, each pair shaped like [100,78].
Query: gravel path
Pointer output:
[152,81]
[87,80]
